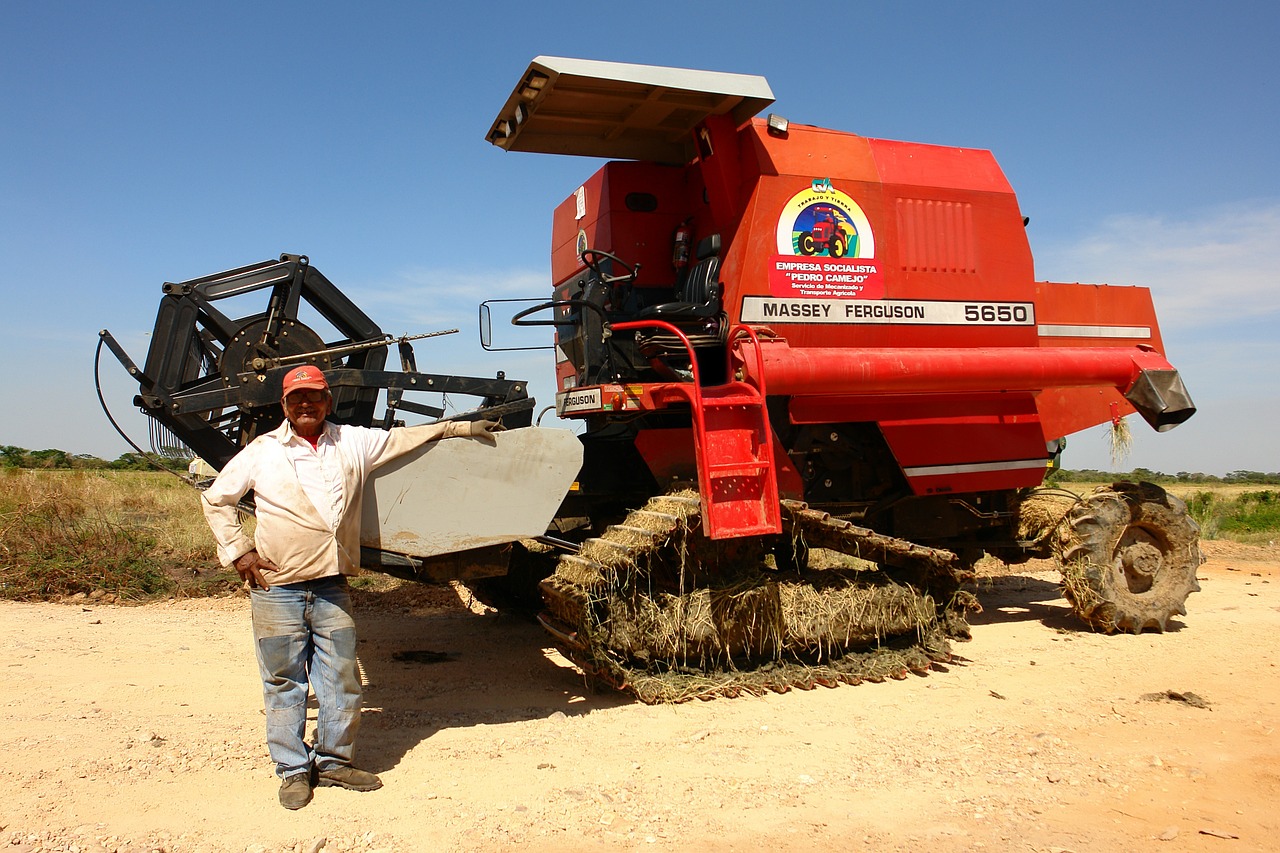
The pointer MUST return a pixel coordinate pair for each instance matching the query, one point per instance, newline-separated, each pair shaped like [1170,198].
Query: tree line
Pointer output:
[1092,475]
[12,456]
[20,457]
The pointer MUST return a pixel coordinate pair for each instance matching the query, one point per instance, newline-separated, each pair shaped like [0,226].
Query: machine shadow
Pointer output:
[1025,598]
[430,670]
[1022,598]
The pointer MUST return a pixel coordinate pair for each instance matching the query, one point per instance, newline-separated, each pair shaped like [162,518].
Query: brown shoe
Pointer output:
[346,776]
[295,791]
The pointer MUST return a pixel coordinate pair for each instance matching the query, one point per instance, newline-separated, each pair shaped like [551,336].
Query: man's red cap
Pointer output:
[307,376]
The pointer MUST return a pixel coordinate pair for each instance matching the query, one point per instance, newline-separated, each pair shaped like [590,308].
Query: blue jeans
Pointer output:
[304,633]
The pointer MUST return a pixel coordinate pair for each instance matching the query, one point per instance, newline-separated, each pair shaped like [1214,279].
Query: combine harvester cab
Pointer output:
[836,342]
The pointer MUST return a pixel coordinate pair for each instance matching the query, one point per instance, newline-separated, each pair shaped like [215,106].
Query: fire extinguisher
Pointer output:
[680,246]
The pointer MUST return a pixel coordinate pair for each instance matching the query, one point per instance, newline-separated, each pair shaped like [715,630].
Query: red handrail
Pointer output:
[693,393]
[695,396]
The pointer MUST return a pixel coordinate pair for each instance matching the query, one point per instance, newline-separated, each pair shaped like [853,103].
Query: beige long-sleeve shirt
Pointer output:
[308,526]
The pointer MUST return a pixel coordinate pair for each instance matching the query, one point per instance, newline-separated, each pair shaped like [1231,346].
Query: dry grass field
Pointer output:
[133,535]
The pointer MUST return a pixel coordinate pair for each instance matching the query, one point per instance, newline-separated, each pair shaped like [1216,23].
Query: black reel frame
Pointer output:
[215,381]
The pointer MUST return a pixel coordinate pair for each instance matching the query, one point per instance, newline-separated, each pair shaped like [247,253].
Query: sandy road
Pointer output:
[139,728]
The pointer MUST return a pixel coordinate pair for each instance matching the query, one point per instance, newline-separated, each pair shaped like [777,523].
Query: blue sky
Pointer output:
[150,142]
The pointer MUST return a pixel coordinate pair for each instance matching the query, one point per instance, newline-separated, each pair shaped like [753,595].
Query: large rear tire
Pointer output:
[1129,554]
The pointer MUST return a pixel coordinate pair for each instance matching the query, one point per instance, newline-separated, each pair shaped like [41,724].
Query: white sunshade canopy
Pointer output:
[620,111]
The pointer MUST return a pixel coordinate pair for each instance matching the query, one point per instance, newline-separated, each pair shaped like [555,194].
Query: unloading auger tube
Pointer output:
[653,607]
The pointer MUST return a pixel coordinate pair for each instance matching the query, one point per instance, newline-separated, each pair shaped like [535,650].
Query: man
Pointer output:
[308,478]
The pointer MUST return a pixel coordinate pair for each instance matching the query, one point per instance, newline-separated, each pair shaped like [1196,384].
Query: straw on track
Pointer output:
[662,612]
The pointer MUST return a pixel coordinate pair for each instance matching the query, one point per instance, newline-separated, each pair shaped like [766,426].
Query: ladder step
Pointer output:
[617,546]
[735,463]
[737,466]
[630,528]
[583,562]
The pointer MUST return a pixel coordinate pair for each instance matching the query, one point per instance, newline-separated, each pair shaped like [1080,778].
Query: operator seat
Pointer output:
[696,312]
[698,296]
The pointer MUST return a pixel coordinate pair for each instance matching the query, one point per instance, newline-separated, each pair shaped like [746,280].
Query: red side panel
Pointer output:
[669,455]
[580,212]
[630,210]
[956,228]
[1090,315]
[924,223]
[947,442]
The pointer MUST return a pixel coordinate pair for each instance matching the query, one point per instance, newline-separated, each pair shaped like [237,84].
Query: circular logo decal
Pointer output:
[823,222]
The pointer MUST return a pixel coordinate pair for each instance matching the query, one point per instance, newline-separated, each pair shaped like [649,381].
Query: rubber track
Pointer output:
[623,546]
[819,530]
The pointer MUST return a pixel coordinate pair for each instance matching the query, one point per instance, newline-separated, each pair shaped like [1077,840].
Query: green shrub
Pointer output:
[1248,516]
[1204,508]
[1254,512]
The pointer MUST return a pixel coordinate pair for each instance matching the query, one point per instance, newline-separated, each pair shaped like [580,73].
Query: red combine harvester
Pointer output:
[817,379]
[859,359]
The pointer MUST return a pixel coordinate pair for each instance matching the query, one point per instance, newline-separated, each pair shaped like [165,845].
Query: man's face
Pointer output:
[306,410]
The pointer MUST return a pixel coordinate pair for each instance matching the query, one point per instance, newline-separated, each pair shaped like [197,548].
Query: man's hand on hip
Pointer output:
[251,566]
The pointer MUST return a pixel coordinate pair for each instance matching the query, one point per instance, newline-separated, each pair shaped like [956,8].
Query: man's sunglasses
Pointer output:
[312,396]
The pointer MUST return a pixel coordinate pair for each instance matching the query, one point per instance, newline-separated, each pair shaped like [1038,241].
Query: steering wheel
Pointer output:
[593,257]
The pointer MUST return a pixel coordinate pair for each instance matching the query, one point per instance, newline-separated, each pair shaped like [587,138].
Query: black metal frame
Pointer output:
[190,385]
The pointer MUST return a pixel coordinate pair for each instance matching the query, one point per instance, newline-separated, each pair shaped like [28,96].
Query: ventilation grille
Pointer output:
[937,236]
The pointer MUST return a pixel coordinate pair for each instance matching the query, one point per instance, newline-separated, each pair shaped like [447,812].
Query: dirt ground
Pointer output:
[140,728]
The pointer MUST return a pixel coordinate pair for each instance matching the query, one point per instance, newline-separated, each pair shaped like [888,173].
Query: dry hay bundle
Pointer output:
[761,619]
[708,626]
[670,616]
[1040,513]
[1077,586]
[1120,439]
[838,612]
